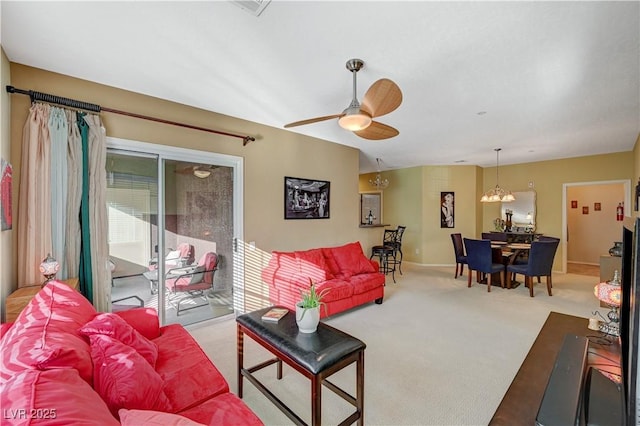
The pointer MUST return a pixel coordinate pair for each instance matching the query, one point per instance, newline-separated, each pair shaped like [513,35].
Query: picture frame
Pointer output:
[574,204]
[585,209]
[447,209]
[597,207]
[371,202]
[306,198]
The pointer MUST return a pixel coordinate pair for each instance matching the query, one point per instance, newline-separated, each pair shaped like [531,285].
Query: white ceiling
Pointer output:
[556,79]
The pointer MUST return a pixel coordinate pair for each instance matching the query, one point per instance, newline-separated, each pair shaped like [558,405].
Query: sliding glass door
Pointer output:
[173,221]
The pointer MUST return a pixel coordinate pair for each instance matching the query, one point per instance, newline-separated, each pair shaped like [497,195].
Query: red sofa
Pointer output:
[351,278]
[64,363]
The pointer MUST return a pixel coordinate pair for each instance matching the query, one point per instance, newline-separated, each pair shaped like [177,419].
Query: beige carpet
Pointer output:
[438,353]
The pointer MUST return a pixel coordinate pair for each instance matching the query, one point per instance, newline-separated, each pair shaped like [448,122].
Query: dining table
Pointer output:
[507,253]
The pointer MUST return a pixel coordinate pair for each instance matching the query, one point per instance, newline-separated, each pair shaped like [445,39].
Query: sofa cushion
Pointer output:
[351,260]
[123,378]
[153,418]
[143,320]
[189,376]
[363,283]
[45,334]
[312,264]
[114,326]
[223,410]
[52,397]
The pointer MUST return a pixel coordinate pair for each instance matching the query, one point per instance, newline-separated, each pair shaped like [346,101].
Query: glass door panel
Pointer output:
[171,233]
[132,199]
[198,231]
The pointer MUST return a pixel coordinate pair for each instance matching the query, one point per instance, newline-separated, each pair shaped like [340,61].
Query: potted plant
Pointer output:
[308,309]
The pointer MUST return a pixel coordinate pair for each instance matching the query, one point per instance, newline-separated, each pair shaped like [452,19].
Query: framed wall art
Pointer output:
[597,207]
[306,198]
[447,211]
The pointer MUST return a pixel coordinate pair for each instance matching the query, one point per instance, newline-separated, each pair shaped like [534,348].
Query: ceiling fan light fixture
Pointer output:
[201,173]
[354,120]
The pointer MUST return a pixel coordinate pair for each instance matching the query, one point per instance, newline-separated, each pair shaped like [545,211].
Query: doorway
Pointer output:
[174,215]
[589,225]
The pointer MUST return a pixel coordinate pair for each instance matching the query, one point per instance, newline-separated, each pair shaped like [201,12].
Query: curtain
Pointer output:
[62,209]
[34,212]
[58,130]
[98,224]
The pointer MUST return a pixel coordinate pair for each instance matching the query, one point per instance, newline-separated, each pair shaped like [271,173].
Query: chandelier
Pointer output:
[378,182]
[497,194]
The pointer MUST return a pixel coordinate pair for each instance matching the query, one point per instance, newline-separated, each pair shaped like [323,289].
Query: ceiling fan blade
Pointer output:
[382,97]
[377,131]
[312,120]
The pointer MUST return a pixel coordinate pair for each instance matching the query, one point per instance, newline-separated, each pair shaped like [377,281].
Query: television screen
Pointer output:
[630,318]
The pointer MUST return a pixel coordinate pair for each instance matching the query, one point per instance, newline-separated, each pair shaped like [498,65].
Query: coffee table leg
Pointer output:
[240,349]
[316,401]
[360,387]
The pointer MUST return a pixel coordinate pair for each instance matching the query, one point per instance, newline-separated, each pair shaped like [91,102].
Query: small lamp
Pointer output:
[49,268]
[610,293]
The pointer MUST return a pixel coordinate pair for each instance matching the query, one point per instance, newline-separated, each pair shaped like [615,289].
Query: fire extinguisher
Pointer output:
[619,212]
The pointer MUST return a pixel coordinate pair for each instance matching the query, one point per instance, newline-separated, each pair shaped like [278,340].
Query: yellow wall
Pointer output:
[548,178]
[276,153]
[413,198]
[7,273]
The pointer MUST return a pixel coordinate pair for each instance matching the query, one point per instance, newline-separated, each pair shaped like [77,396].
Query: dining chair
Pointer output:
[540,264]
[458,250]
[386,253]
[397,245]
[480,259]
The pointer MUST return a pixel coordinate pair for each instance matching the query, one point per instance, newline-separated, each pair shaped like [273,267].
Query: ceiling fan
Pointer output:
[383,97]
[201,171]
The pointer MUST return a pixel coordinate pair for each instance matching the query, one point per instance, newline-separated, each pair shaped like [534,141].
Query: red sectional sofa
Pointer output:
[351,278]
[64,363]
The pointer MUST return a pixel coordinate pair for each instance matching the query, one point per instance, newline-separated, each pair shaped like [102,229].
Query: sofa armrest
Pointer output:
[375,264]
[143,320]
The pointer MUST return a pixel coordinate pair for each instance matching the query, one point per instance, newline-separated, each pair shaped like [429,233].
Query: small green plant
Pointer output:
[312,299]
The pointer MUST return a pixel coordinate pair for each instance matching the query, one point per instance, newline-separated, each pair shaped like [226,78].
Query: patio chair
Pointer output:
[184,255]
[190,282]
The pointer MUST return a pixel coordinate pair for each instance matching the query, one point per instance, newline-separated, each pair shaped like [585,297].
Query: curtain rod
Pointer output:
[44,97]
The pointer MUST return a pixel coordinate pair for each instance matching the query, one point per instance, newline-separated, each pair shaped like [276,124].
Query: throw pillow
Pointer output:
[123,378]
[312,263]
[45,334]
[352,260]
[116,327]
[58,396]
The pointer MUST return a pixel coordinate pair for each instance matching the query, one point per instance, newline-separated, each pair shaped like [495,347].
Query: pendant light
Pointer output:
[379,183]
[497,194]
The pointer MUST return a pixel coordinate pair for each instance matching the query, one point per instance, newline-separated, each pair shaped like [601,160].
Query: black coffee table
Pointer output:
[316,356]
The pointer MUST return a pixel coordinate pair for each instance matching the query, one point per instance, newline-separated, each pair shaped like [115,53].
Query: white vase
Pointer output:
[307,323]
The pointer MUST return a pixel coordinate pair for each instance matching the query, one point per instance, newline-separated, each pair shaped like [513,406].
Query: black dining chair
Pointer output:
[458,250]
[386,253]
[540,264]
[480,259]
[397,245]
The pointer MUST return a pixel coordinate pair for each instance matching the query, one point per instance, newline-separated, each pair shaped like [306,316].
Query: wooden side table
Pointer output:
[17,300]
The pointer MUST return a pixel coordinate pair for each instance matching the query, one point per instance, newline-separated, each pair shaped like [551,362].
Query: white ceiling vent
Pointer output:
[255,7]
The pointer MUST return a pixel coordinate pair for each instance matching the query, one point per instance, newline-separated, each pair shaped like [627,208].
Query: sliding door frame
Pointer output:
[165,152]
